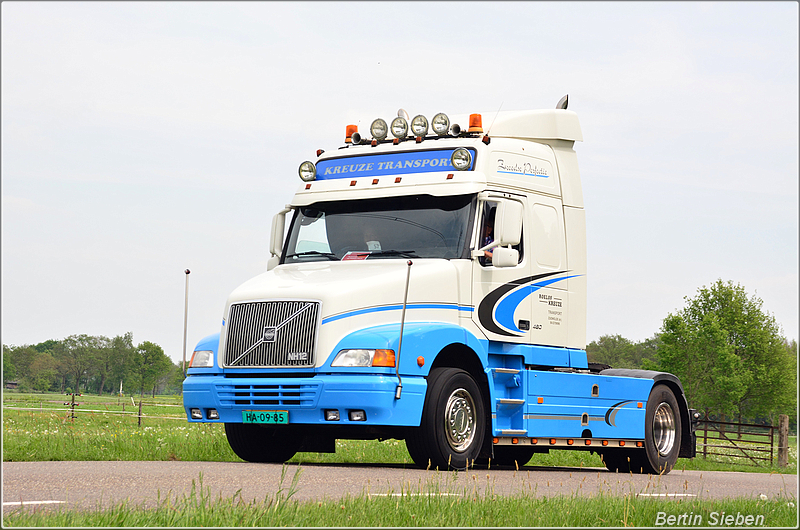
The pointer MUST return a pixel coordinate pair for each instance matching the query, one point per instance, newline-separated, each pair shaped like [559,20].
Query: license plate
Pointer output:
[265,416]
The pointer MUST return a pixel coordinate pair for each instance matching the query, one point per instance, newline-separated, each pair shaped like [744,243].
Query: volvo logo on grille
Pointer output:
[269,334]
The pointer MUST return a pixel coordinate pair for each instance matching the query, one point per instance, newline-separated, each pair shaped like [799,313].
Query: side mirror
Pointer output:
[276,237]
[508,223]
[505,257]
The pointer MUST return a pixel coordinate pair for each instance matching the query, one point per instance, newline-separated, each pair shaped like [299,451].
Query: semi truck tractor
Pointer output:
[427,283]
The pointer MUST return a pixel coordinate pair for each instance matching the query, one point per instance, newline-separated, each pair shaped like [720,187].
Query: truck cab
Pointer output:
[431,286]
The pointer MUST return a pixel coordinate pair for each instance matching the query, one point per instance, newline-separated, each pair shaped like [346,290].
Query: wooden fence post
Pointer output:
[783,440]
[140,411]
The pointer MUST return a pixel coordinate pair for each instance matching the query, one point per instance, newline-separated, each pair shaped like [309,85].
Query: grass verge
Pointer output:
[428,506]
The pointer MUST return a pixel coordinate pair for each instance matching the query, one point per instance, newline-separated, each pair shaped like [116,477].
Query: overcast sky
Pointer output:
[141,139]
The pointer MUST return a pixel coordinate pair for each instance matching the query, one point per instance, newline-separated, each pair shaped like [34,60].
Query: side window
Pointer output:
[548,240]
[488,212]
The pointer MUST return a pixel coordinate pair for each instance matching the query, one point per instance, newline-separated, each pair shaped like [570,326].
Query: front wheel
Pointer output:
[255,443]
[453,423]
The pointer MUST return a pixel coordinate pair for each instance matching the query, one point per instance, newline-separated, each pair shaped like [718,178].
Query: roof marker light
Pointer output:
[440,124]
[308,171]
[379,130]
[475,124]
[348,133]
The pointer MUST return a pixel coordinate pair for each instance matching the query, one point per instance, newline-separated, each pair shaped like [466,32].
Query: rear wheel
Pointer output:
[662,431]
[255,443]
[662,438]
[453,423]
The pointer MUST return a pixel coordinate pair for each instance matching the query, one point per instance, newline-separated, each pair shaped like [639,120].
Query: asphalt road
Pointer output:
[35,485]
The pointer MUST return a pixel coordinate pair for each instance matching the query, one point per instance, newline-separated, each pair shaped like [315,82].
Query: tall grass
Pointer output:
[428,505]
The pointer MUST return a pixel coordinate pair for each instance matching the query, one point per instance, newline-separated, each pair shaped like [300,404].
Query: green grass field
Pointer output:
[39,427]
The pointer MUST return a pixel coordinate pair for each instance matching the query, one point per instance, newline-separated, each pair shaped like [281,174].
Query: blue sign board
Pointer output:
[387,164]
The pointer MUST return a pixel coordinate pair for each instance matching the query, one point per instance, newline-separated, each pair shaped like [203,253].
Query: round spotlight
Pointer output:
[440,124]
[379,129]
[419,125]
[399,127]
[308,171]
[461,159]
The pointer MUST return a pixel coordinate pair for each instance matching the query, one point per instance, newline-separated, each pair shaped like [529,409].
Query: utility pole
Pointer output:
[185,320]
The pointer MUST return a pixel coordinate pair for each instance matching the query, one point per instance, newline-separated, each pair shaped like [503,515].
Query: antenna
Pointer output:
[495,117]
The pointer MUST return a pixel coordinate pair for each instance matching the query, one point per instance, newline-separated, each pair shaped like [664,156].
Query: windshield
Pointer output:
[415,227]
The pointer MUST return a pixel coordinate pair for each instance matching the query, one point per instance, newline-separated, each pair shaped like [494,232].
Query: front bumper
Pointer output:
[307,398]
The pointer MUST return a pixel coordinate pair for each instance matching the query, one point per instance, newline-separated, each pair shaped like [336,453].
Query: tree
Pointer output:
[619,352]
[151,364]
[9,369]
[729,353]
[124,360]
[43,372]
[79,355]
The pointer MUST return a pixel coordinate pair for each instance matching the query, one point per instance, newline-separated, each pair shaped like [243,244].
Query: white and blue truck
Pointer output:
[431,287]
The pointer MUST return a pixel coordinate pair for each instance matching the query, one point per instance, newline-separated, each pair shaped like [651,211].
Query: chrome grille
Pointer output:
[275,334]
[278,394]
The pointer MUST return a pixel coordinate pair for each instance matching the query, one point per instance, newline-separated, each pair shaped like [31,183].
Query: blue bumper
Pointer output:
[307,398]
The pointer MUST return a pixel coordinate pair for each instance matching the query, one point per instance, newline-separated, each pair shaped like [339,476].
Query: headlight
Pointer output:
[202,359]
[379,129]
[308,171]
[419,125]
[461,159]
[356,358]
[440,124]
[399,127]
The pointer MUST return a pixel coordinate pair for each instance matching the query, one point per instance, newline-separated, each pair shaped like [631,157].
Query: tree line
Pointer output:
[93,364]
[729,354]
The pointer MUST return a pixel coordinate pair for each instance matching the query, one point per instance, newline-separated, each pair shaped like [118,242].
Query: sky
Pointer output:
[141,139]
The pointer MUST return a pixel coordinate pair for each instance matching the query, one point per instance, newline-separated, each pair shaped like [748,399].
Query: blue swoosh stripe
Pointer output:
[504,311]
[395,307]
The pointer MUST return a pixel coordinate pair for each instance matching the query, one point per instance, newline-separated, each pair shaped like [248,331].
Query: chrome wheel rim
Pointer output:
[664,429]
[459,419]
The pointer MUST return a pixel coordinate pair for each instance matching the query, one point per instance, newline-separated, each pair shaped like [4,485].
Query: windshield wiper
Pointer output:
[404,253]
[328,255]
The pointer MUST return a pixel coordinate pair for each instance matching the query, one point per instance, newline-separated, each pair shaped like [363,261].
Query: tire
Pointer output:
[662,438]
[510,455]
[662,431]
[254,443]
[453,423]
